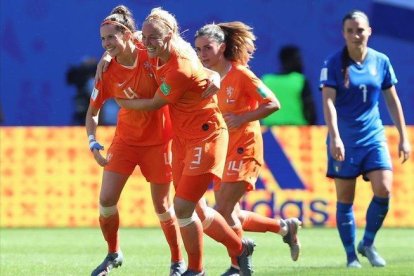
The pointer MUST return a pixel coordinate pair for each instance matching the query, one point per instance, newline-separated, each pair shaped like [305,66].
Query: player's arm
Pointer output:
[336,146]
[102,66]
[264,109]
[394,108]
[91,124]
[143,104]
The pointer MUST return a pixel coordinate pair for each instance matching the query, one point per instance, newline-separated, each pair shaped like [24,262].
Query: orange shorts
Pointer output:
[154,161]
[199,156]
[246,170]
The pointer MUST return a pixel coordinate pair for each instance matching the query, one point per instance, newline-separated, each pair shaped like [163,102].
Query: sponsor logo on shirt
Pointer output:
[122,83]
[165,89]
[94,94]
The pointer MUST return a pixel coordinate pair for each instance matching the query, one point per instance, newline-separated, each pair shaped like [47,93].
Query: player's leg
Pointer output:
[169,225]
[188,192]
[345,219]
[156,167]
[112,185]
[227,197]
[377,168]
[216,227]
[381,181]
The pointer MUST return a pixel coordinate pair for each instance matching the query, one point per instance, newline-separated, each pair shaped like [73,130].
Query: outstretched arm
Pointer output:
[397,116]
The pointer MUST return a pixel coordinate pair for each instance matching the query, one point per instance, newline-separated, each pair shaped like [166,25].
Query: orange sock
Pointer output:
[221,232]
[192,235]
[253,222]
[173,237]
[109,227]
[239,232]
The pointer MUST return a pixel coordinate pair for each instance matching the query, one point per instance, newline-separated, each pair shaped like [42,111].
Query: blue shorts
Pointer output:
[361,160]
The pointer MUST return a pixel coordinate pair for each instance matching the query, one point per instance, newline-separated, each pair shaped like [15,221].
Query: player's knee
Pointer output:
[183,222]
[209,214]
[107,211]
[167,215]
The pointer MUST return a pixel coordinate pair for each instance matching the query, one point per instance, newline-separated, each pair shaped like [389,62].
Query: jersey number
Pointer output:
[197,158]
[364,90]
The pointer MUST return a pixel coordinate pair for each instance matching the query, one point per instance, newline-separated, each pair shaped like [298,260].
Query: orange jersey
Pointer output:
[241,91]
[181,83]
[135,128]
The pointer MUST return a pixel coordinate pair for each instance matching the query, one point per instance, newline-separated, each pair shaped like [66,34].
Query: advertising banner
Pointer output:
[49,178]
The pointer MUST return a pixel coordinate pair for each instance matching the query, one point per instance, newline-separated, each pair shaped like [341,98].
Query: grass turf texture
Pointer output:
[78,251]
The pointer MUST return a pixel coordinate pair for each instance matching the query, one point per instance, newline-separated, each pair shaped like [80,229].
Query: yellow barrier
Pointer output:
[49,179]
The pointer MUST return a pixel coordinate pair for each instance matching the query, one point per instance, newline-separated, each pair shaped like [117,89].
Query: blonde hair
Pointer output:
[167,23]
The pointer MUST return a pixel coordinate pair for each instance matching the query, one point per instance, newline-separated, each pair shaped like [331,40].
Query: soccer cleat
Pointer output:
[291,238]
[178,268]
[245,259]
[112,260]
[372,255]
[193,273]
[232,271]
[354,264]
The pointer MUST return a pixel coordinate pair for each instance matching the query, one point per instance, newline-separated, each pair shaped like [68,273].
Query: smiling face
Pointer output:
[113,40]
[209,51]
[156,42]
[356,32]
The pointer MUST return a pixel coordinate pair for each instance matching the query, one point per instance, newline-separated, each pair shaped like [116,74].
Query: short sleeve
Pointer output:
[256,88]
[389,75]
[327,76]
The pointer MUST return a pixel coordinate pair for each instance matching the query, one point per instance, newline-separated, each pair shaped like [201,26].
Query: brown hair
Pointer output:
[122,17]
[237,36]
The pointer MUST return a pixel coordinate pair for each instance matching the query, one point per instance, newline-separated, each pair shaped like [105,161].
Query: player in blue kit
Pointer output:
[351,81]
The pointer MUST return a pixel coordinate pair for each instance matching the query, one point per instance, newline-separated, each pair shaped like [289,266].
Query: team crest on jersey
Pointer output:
[229,93]
[147,65]
[373,71]
[165,88]
[94,94]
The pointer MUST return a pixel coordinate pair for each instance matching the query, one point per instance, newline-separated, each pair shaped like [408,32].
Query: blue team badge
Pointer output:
[165,89]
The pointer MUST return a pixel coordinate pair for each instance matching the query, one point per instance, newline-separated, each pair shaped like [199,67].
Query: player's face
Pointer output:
[113,41]
[356,33]
[209,51]
[154,40]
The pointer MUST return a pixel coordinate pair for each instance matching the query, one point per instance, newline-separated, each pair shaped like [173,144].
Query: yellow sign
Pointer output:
[48,178]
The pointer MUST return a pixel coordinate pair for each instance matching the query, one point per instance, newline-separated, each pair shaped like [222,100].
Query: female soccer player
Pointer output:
[141,138]
[351,81]
[244,100]
[200,137]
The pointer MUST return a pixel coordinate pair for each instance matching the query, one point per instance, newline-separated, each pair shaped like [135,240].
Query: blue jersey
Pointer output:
[358,87]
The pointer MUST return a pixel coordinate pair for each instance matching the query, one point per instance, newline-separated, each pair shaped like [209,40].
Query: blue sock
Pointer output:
[376,213]
[345,222]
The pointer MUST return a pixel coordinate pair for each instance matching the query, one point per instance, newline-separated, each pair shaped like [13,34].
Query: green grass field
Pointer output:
[78,251]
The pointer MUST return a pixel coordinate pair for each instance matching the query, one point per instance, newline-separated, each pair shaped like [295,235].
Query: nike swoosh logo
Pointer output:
[120,84]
